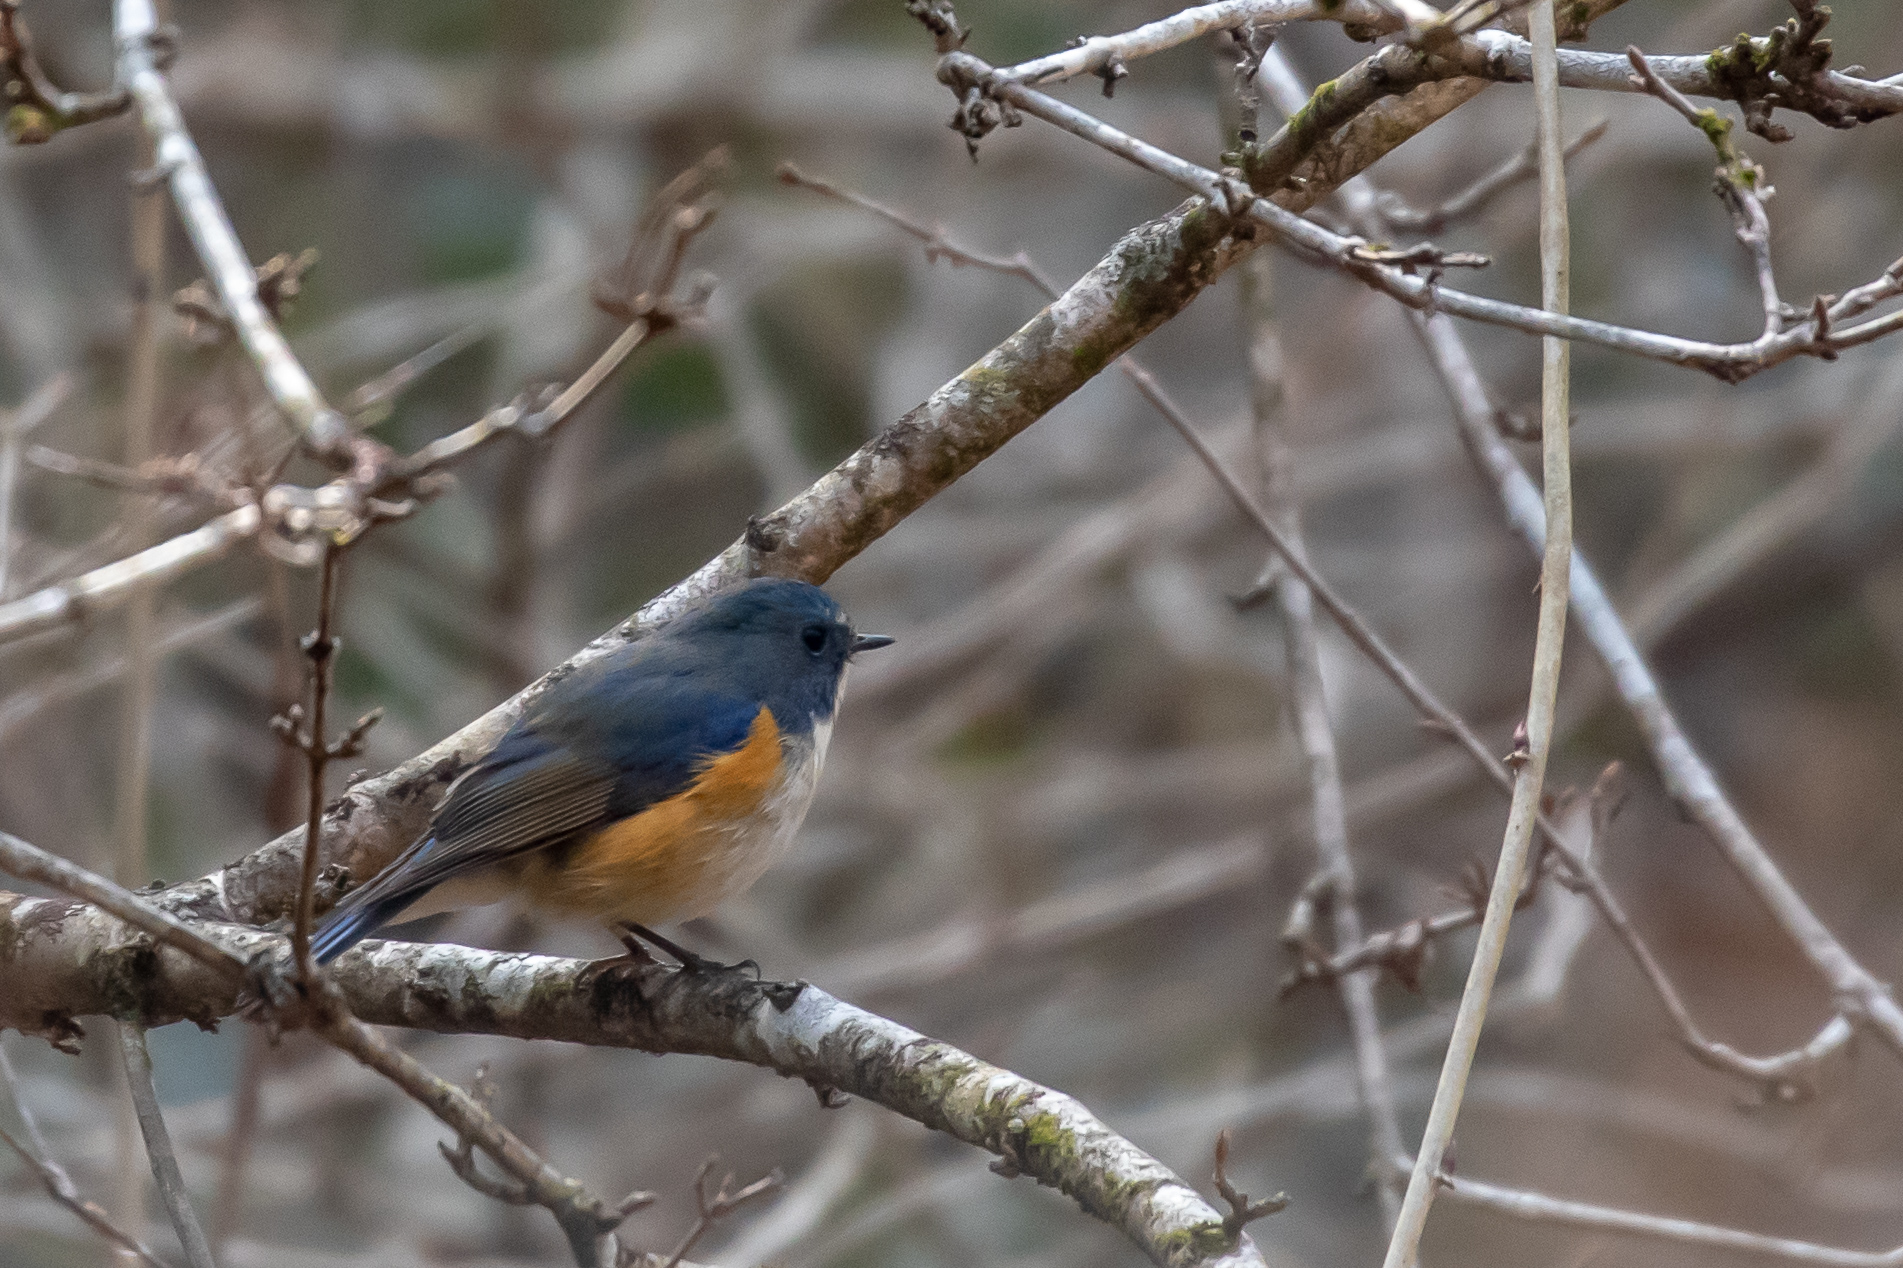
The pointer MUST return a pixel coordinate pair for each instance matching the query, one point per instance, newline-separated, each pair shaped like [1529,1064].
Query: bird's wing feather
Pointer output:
[640,741]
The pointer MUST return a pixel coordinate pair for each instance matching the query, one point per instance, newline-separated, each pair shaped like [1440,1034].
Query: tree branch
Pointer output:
[158,1146]
[137,36]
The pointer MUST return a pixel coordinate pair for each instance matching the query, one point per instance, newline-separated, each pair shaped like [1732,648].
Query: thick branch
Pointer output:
[798,1031]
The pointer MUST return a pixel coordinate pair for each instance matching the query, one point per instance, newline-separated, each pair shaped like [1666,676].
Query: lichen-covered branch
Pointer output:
[796,1030]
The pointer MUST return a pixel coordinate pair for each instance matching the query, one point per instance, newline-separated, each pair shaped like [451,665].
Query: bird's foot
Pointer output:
[637,938]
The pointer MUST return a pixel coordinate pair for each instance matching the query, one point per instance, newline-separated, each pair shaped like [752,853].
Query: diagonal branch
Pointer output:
[58,1184]
[136,35]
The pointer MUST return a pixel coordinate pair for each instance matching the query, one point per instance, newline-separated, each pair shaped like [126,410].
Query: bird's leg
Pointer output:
[627,936]
[633,935]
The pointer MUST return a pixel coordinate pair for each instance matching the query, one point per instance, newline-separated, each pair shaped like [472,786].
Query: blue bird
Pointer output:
[645,787]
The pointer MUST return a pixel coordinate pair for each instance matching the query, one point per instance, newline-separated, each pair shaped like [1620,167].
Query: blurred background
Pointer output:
[1064,820]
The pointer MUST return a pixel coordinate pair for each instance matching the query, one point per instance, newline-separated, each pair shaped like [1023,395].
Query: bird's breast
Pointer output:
[680,857]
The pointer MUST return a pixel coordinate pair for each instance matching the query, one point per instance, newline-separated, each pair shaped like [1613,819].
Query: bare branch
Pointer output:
[1242,1212]
[1231,199]
[107,587]
[1092,54]
[158,1146]
[1687,777]
[59,1186]
[1478,196]
[136,35]
[14,428]
[1540,1208]
[54,1178]
[1740,185]
[36,108]
[712,1208]
[1543,694]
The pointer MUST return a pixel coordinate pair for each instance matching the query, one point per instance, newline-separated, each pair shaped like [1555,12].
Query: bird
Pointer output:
[644,787]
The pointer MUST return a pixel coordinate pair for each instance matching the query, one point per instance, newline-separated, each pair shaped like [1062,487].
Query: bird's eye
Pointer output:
[814,636]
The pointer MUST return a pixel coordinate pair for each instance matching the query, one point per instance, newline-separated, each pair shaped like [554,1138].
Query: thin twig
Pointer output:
[1474,199]
[321,649]
[1242,1211]
[1315,732]
[1555,445]
[59,1186]
[711,1209]
[136,36]
[1740,185]
[14,428]
[158,1146]
[1543,1209]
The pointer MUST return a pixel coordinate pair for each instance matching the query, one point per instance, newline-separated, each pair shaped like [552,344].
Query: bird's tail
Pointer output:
[361,913]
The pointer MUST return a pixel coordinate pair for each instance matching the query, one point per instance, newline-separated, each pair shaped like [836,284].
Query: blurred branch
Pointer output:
[1101,54]
[1478,196]
[54,1178]
[382,486]
[107,587]
[1047,925]
[36,108]
[15,425]
[143,47]
[60,1187]
[1541,1209]
[839,1167]
[1309,717]
[158,1146]
[1770,524]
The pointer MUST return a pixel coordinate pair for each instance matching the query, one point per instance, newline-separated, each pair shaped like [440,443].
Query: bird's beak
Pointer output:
[870,642]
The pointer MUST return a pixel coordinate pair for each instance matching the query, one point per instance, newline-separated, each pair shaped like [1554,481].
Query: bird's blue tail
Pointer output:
[361,913]
[341,930]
